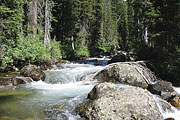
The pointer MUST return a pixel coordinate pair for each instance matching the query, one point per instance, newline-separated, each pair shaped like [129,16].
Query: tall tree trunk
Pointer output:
[47,24]
[32,16]
[146,34]
[72,43]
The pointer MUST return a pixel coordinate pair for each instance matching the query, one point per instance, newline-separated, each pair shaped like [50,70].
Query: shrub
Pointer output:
[54,49]
[27,49]
[82,52]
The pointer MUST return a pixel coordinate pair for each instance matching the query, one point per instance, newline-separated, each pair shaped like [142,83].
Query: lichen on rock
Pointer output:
[110,102]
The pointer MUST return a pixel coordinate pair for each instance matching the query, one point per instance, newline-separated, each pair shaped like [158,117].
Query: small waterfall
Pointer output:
[71,73]
[167,110]
[64,88]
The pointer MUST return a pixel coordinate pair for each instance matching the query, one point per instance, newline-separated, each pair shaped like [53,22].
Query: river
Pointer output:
[57,96]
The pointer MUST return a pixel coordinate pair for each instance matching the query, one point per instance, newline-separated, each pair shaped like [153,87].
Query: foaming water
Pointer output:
[69,89]
[71,73]
[47,86]
[167,110]
[96,61]
[177,89]
[62,88]
[175,114]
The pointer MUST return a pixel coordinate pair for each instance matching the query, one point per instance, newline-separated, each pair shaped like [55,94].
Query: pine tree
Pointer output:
[122,24]
[108,28]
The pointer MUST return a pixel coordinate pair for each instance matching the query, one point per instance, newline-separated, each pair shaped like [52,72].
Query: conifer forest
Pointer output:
[33,31]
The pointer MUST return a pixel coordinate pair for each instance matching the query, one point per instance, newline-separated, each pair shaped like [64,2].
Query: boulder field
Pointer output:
[135,101]
[110,102]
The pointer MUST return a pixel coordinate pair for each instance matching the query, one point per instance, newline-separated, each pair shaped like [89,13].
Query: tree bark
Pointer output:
[47,24]
[35,18]
[72,43]
[146,34]
[32,16]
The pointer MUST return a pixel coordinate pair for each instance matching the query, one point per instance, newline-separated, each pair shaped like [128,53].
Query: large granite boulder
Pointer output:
[164,89]
[126,73]
[33,72]
[110,102]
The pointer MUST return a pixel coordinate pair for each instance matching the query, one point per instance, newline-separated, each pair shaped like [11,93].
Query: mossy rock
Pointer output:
[4,93]
[28,119]
[6,118]
[8,74]
[5,81]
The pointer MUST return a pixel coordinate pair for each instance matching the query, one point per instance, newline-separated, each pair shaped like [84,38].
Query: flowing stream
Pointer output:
[57,96]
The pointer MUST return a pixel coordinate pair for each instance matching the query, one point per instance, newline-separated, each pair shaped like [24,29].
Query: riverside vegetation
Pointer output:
[33,31]
[35,34]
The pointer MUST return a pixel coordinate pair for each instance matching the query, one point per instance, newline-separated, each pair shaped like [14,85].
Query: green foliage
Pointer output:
[169,70]
[104,46]
[88,27]
[108,28]
[30,48]
[25,49]
[67,51]
[82,52]
[55,50]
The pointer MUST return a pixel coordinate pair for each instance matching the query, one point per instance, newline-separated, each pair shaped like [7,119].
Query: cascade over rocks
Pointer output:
[110,102]
[33,72]
[131,73]
[164,89]
[53,64]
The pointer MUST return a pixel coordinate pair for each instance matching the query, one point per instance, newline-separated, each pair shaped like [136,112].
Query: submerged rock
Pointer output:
[169,119]
[21,80]
[6,118]
[5,81]
[12,92]
[55,114]
[9,74]
[59,114]
[176,102]
[125,73]
[165,106]
[109,102]
[164,89]
[33,72]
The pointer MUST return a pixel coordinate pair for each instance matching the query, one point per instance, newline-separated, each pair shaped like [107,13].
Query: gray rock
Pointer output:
[164,89]
[13,78]
[121,73]
[122,56]
[21,80]
[33,72]
[55,114]
[109,102]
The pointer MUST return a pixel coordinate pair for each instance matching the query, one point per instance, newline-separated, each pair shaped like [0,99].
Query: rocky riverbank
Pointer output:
[110,102]
[107,101]
[28,73]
